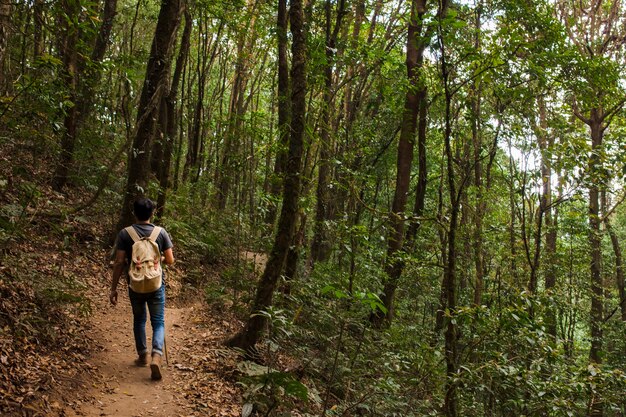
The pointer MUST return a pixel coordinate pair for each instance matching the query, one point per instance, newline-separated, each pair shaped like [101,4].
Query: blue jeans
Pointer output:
[156,305]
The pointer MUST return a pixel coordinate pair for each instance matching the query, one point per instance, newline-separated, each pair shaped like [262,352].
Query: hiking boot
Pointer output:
[142,360]
[155,367]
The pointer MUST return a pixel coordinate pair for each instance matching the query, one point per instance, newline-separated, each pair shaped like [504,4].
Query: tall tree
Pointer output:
[70,33]
[157,71]
[5,31]
[251,333]
[81,77]
[236,109]
[168,123]
[38,26]
[546,210]
[617,251]
[415,97]
[283,109]
[320,247]
[595,32]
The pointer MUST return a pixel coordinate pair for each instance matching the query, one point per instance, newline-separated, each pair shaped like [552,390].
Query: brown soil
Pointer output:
[195,382]
[126,389]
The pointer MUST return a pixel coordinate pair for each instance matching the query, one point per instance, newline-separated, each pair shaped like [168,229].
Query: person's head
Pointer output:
[143,208]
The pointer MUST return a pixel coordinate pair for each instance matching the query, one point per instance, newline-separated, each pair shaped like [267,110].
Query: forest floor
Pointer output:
[65,351]
[198,377]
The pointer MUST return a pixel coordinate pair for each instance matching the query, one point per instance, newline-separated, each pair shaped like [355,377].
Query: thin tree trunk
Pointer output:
[545,144]
[477,142]
[512,209]
[70,76]
[449,280]
[38,25]
[595,244]
[595,241]
[283,111]
[236,108]
[82,83]
[414,61]
[320,247]
[193,147]
[251,333]
[619,264]
[179,139]
[6,7]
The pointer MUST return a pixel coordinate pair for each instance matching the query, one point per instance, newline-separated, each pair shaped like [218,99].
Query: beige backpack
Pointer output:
[145,266]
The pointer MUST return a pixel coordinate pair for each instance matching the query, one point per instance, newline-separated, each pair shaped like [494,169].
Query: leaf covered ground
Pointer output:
[65,351]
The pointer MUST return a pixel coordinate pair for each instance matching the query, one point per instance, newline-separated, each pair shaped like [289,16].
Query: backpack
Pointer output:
[145,272]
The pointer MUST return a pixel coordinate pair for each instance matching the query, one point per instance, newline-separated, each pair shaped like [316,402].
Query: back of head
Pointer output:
[143,208]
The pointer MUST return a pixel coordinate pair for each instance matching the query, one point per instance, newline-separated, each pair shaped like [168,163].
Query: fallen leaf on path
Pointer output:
[183,368]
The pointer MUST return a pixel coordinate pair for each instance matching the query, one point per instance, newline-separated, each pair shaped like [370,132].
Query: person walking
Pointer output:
[140,250]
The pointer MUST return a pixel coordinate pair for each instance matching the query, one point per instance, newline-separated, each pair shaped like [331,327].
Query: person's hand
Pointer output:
[113,297]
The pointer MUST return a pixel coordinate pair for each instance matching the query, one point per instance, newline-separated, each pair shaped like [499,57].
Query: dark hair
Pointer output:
[143,208]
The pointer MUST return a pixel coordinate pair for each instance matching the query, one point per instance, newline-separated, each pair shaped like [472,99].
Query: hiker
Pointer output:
[146,288]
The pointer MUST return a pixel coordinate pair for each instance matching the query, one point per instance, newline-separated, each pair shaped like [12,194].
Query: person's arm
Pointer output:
[168,256]
[118,269]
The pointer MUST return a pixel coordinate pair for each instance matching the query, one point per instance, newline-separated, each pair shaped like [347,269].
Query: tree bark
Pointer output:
[414,62]
[236,109]
[545,144]
[6,7]
[449,279]
[619,264]
[81,80]
[69,56]
[38,25]
[104,33]
[320,248]
[251,333]
[595,241]
[172,114]
[477,141]
[595,244]
[153,88]
[283,111]
[193,146]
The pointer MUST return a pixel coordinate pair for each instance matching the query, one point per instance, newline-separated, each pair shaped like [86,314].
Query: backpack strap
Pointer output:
[155,233]
[133,234]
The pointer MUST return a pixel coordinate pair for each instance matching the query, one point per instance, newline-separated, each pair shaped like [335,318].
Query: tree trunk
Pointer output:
[477,141]
[104,33]
[193,144]
[595,241]
[251,333]
[171,113]
[192,160]
[414,61]
[236,109]
[69,57]
[6,7]
[147,114]
[320,247]
[512,222]
[595,244]
[545,144]
[619,265]
[283,111]
[82,82]
[422,173]
[38,25]
[449,279]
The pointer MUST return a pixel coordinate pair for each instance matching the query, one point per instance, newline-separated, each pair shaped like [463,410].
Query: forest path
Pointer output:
[197,381]
[126,389]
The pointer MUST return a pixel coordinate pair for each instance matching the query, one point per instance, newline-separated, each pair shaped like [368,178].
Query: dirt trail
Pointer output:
[126,389]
